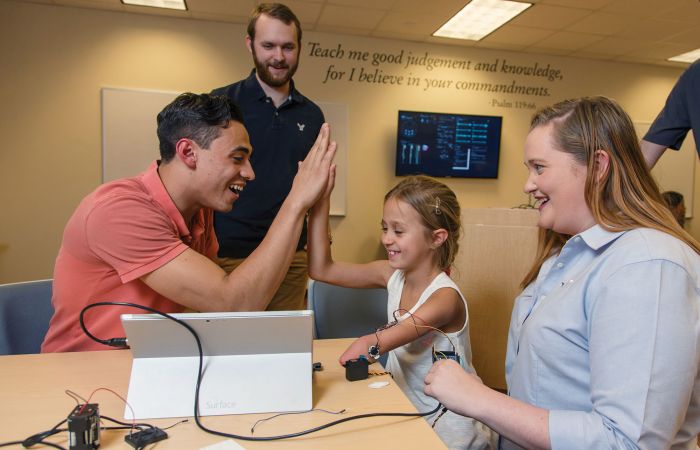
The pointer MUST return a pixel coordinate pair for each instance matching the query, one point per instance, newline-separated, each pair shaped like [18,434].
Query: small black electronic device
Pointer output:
[445,354]
[145,437]
[357,369]
[84,427]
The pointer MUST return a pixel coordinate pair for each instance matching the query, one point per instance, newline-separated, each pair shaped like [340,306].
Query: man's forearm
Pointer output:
[652,152]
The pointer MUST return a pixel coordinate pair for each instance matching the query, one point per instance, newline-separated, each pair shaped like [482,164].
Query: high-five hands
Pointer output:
[316,173]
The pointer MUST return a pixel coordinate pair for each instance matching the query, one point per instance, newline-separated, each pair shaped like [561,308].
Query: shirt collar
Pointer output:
[252,83]
[596,236]
[154,186]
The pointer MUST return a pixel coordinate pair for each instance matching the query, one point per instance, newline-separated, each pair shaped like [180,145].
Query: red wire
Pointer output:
[133,415]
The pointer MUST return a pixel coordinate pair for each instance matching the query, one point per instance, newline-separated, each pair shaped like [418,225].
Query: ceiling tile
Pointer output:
[690,38]
[660,50]
[615,46]
[101,4]
[498,46]
[587,4]
[110,4]
[644,31]
[604,24]
[564,40]
[384,5]
[452,42]
[546,51]
[153,11]
[418,37]
[219,17]
[643,8]
[593,55]
[442,8]
[517,35]
[42,2]
[634,59]
[651,29]
[409,23]
[688,12]
[549,17]
[656,62]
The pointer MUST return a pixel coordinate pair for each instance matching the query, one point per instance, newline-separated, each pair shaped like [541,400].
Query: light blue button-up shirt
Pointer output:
[608,339]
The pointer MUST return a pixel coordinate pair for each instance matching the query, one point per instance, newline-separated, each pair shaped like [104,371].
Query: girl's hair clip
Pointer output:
[437,206]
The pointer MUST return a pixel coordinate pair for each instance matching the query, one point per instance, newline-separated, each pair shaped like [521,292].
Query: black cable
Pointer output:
[51,444]
[140,426]
[113,342]
[38,438]
[200,375]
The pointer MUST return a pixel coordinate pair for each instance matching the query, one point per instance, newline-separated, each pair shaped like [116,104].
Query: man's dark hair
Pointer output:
[672,198]
[278,11]
[199,117]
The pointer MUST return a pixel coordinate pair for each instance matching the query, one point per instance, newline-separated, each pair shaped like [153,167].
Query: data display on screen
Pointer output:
[448,145]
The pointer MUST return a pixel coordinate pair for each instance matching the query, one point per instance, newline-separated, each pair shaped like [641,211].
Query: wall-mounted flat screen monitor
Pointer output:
[448,145]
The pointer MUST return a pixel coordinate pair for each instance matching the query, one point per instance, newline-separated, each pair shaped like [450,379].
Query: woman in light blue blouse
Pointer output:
[604,342]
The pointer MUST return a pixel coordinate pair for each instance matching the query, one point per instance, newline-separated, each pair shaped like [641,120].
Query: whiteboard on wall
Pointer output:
[675,170]
[130,143]
[129,140]
[336,114]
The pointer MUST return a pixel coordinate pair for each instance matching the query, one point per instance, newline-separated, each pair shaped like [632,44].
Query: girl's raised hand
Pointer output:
[315,172]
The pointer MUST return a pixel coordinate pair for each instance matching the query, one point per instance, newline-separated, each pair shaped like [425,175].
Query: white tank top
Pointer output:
[410,363]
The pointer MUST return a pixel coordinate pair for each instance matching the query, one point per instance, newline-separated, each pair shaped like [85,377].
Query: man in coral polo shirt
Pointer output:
[150,239]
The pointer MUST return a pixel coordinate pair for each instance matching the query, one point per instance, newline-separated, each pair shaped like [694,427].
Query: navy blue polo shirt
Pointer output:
[281,137]
[681,112]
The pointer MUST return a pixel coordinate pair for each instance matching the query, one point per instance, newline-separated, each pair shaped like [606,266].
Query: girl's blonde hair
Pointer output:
[437,207]
[625,196]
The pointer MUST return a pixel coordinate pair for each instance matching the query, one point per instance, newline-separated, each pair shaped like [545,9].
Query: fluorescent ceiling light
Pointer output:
[479,18]
[689,57]
[169,4]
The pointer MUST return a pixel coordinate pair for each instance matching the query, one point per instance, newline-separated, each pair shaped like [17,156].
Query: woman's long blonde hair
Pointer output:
[625,196]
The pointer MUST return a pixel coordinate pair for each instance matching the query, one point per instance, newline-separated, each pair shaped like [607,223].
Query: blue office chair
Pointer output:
[25,312]
[341,312]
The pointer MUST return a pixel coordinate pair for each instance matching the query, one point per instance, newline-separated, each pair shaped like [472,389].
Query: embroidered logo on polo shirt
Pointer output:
[301,126]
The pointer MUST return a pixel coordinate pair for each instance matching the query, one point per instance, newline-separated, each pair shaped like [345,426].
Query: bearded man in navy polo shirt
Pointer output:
[283,125]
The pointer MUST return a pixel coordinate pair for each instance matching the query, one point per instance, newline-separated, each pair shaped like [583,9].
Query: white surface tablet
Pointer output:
[254,362]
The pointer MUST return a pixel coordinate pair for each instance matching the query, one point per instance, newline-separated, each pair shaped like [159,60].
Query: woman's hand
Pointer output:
[458,390]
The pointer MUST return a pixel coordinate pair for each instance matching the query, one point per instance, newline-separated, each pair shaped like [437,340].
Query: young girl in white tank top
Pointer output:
[420,232]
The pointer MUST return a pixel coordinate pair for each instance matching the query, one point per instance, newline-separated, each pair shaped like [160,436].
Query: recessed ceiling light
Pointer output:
[689,57]
[479,18]
[169,4]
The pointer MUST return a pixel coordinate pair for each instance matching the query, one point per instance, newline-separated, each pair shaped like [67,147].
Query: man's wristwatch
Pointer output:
[373,351]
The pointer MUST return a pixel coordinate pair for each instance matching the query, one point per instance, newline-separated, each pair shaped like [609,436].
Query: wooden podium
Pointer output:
[496,250]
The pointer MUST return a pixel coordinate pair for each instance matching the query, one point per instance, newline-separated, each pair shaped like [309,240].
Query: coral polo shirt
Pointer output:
[122,231]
